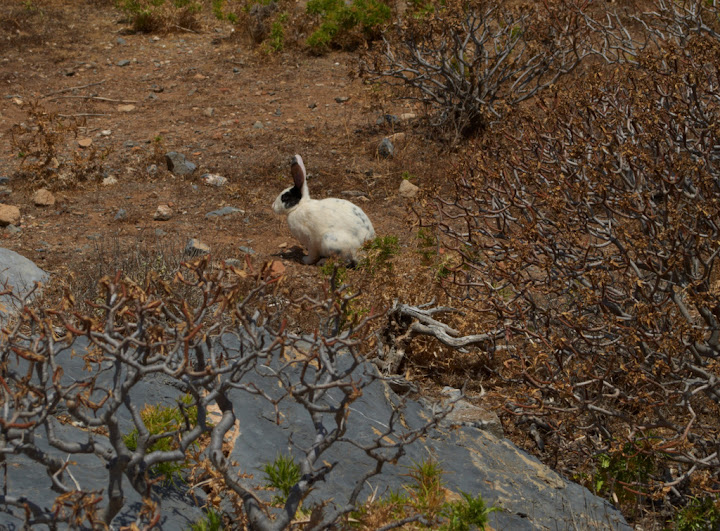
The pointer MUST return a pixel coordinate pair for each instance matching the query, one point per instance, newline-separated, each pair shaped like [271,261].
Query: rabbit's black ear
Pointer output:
[297,169]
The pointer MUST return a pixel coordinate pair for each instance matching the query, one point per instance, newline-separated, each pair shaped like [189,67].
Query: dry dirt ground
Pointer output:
[202,94]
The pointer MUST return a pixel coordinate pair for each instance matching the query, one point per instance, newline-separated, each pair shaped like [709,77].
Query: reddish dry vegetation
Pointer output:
[568,206]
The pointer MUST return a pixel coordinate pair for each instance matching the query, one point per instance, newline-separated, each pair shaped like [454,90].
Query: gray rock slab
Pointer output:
[21,273]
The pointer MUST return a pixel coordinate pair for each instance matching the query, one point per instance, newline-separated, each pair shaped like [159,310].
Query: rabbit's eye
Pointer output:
[291,197]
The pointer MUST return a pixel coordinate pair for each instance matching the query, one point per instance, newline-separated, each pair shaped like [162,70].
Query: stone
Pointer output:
[120,41]
[390,119]
[224,211]
[408,189]
[407,116]
[106,132]
[12,229]
[342,99]
[121,215]
[109,180]
[85,142]
[178,164]
[163,213]
[276,269]
[386,148]
[212,179]
[126,108]
[123,62]
[195,247]
[246,250]
[20,273]
[209,112]
[4,180]
[9,215]
[43,197]
[152,169]
[258,125]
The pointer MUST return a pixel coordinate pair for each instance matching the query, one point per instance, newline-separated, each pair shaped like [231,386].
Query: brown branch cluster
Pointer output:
[467,62]
[592,237]
[214,335]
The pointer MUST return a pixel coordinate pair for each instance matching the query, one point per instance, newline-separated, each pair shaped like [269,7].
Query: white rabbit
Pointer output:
[327,227]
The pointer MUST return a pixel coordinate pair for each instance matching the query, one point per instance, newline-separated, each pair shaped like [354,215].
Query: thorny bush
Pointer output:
[468,62]
[591,238]
[228,341]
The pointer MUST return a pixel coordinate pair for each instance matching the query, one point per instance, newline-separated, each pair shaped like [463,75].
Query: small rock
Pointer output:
[386,148]
[209,112]
[352,193]
[152,169]
[234,262]
[390,119]
[195,247]
[408,189]
[246,250]
[126,108]
[397,138]
[43,197]
[177,163]
[212,179]
[109,180]
[283,245]
[121,215]
[224,211]
[120,41]
[123,62]
[276,268]
[85,142]
[12,229]
[157,88]
[4,180]
[9,215]
[312,105]
[342,99]
[129,144]
[236,70]
[258,125]
[408,116]
[163,213]
[105,132]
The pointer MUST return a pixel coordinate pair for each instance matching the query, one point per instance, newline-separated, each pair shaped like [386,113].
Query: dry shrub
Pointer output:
[149,16]
[588,232]
[42,144]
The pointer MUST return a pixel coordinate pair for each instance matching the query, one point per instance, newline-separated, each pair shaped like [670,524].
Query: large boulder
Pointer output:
[20,274]
[530,495]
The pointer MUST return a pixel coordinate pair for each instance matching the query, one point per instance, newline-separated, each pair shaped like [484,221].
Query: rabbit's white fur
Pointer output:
[326,227]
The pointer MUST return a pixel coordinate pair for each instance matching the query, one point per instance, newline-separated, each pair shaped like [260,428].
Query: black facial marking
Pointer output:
[291,197]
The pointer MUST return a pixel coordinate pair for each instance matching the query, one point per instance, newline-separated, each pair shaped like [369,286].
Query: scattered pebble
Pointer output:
[224,211]
[43,197]
[209,112]
[126,108]
[85,142]
[178,164]
[195,247]
[152,169]
[386,148]
[121,215]
[390,119]
[123,62]
[212,179]
[109,180]
[246,250]
[105,132]
[342,99]
[13,229]
[258,125]
[9,215]
[163,213]
[408,189]
[121,41]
